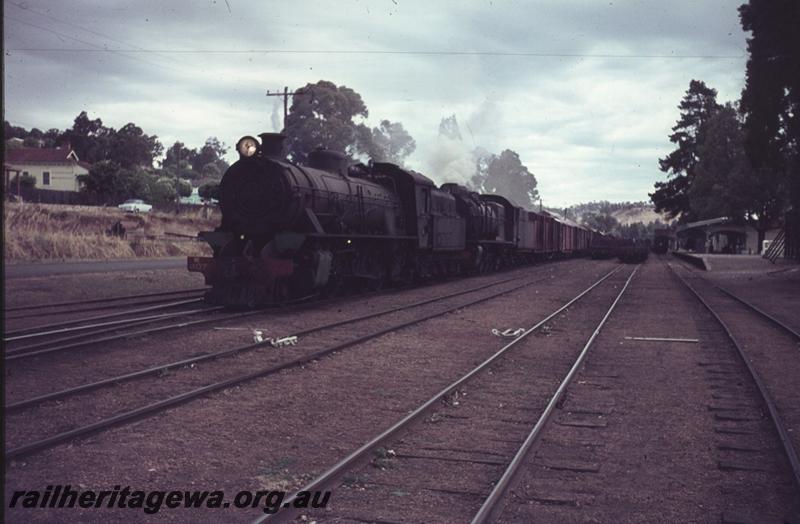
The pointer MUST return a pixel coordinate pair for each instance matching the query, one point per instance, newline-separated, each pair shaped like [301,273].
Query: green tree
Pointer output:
[602,222]
[90,139]
[10,131]
[178,162]
[322,115]
[51,138]
[109,181]
[697,106]
[184,188]
[161,190]
[211,153]
[34,137]
[212,171]
[389,142]
[634,231]
[25,181]
[209,191]
[131,147]
[724,184]
[505,175]
[771,97]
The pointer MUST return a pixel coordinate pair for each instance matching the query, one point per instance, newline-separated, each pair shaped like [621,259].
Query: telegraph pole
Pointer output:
[178,183]
[285,96]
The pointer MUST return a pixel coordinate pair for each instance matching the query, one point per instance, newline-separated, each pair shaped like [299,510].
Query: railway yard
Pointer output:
[569,391]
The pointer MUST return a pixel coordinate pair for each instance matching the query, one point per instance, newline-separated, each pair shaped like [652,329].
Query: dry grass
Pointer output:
[52,232]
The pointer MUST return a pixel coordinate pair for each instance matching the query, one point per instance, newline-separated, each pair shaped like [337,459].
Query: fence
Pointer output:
[80,198]
[51,196]
[791,249]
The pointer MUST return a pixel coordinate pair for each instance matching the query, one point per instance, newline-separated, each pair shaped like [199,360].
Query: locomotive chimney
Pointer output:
[272,145]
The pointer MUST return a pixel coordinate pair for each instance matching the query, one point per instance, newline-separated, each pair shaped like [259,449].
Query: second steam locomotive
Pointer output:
[290,231]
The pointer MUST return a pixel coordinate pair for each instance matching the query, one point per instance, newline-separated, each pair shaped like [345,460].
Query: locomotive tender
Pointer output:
[290,231]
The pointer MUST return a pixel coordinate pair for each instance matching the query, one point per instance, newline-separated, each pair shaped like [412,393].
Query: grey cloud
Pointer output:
[588,127]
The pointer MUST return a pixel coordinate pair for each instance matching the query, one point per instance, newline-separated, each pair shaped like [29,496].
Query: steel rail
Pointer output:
[227,352]
[109,327]
[130,334]
[92,308]
[341,467]
[19,355]
[50,329]
[102,300]
[106,326]
[755,308]
[777,421]
[490,505]
[761,312]
[137,413]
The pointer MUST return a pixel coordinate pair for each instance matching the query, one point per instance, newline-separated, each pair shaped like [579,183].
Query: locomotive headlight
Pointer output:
[247,146]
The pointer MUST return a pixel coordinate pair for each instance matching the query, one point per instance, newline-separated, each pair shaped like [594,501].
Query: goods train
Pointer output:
[292,231]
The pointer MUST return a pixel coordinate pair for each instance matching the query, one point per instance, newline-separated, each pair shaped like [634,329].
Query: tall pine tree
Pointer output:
[771,97]
[697,107]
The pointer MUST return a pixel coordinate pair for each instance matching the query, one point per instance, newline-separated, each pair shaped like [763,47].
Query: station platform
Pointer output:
[719,262]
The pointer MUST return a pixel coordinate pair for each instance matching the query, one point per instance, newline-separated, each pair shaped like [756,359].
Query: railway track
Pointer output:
[770,352]
[57,395]
[109,300]
[110,331]
[663,423]
[772,318]
[244,372]
[457,437]
[116,330]
[78,324]
[102,304]
[91,331]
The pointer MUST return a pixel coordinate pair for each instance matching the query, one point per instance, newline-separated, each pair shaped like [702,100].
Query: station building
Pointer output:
[718,235]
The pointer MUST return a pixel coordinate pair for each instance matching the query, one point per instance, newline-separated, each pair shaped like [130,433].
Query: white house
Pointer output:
[55,169]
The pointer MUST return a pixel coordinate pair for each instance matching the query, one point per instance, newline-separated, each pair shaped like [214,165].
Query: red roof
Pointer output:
[35,155]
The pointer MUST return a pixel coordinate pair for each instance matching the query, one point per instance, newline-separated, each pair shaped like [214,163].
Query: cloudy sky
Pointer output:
[585,91]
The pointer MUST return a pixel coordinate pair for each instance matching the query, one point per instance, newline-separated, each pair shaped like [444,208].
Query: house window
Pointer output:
[46,178]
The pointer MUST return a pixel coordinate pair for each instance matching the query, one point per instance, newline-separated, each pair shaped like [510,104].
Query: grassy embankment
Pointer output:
[58,232]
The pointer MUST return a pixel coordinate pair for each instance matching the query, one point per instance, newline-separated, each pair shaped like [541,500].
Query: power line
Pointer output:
[76,26]
[531,54]
[97,48]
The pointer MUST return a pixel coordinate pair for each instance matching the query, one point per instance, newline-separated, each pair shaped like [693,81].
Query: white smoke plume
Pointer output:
[451,160]
[277,115]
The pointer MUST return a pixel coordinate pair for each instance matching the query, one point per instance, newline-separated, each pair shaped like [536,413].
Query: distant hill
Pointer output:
[645,214]
[625,213]
[633,220]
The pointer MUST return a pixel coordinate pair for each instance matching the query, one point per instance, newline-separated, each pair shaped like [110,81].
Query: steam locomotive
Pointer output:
[290,231]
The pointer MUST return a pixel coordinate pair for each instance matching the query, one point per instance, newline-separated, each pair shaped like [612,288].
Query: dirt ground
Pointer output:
[277,432]
[664,430]
[67,288]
